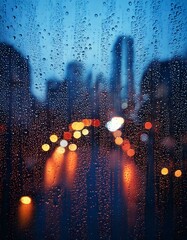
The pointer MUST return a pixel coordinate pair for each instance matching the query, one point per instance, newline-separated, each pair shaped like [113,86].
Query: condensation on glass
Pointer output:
[93,109]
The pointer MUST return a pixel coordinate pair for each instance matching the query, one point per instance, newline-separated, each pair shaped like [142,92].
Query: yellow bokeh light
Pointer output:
[85,132]
[178,173]
[72,147]
[77,134]
[118,141]
[25,200]
[164,171]
[53,138]
[60,150]
[45,147]
[77,126]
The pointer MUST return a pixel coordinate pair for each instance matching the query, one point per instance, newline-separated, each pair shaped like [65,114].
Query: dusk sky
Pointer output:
[52,33]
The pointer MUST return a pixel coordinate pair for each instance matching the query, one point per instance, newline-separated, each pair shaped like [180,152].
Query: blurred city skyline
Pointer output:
[52,34]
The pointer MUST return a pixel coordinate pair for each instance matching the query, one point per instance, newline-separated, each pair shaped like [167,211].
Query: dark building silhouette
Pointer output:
[57,106]
[16,109]
[79,105]
[164,84]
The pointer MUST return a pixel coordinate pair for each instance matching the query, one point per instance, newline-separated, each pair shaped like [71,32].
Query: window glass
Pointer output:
[93,129]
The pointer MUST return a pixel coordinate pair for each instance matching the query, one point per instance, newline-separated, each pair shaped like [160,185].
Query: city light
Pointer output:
[144,137]
[77,134]
[118,141]
[71,165]
[85,132]
[117,133]
[77,126]
[25,200]
[60,150]
[124,105]
[178,173]
[126,145]
[148,125]
[45,147]
[63,143]
[114,124]
[53,138]
[25,212]
[164,171]
[67,135]
[130,152]
[72,147]
[96,122]
[87,122]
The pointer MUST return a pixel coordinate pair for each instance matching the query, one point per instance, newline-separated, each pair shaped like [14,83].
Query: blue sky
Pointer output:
[52,33]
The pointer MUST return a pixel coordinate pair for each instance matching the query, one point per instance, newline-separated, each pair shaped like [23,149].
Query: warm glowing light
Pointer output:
[148,125]
[130,152]
[77,126]
[117,133]
[126,145]
[178,173]
[25,200]
[118,141]
[53,138]
[87,122]
[45,147]
[96,122]
[77,134]
[25,214]
[114,124]
[53,168]
[63,143]
[130,180]
[85,132]
[60,150]
[67,135]
[164,171]
[71,165]
[72,147]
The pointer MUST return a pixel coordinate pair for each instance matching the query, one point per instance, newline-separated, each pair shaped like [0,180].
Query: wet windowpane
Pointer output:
[93,119]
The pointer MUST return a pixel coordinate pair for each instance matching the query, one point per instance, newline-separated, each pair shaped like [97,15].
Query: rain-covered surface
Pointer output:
[93,119]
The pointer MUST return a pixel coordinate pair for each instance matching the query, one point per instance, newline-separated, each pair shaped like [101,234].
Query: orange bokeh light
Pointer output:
[25,214]
[71,165]
[126,145]
[53,168]
[148,125]
[87,122]
[178,173]
[130,152]
[117,133]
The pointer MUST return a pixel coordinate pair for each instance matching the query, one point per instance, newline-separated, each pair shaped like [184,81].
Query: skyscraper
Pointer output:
[122,81]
